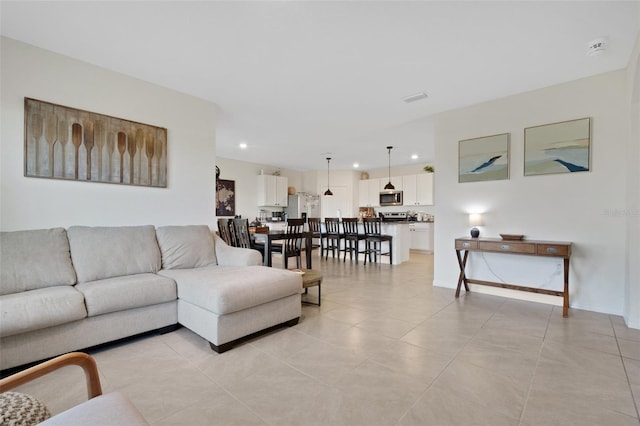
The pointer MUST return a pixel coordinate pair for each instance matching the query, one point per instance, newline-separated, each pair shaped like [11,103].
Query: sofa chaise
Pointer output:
[65,290]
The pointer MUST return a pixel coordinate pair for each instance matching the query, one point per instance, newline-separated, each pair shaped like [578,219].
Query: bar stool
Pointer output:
[333,236]
[374,239]
[352,238]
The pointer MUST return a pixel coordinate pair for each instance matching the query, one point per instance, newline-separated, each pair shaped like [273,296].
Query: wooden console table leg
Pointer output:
[565,303]
[462,263]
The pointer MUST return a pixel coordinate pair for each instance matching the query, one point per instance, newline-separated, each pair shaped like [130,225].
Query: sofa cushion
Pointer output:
[185,247]
[226,289]
[121,293]
[34,259]
[106,252]
[41,308]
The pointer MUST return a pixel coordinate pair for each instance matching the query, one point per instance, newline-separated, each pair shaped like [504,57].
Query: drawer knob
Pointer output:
[552,250]
[466,244]
[505,247]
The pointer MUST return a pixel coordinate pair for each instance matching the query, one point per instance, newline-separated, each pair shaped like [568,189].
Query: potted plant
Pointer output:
[428,169]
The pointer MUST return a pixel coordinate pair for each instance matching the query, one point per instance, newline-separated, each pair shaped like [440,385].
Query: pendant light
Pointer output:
[328,192]
[389,186]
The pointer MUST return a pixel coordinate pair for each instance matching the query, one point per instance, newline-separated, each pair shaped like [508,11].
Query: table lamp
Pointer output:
[475,219]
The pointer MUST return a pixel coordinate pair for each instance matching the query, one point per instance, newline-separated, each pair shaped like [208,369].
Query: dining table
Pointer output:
[274,235]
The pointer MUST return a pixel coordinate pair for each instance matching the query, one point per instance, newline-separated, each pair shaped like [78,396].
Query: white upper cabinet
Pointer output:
[418,189]
[369,192]
[272,191]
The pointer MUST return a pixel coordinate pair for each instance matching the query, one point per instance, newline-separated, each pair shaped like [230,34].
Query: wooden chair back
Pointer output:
[372,226]
[350,225]
[242,235]
[332,225]
[224,230]
[314,226]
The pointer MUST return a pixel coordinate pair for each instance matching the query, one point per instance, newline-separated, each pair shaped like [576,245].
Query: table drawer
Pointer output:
[466,245]
[559,250]
[508,247]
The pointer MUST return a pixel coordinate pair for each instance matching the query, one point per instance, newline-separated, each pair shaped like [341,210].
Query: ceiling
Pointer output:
[296,80]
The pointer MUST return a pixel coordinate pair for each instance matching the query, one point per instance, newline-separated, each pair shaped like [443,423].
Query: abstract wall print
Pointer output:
[72,144]
[225,197]
[483,159]
[557,148]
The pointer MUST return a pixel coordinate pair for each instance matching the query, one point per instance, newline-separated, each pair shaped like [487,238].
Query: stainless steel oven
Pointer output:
[391,198]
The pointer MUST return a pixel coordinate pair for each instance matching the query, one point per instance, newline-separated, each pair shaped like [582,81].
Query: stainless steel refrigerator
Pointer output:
[303,203]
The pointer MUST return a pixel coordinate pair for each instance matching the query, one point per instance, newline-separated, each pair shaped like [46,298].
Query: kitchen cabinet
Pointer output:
[369,192]
[272,191]
[421,236]
[418,189]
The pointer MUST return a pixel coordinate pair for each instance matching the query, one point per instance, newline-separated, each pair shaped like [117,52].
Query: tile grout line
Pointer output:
[624,367]
[535,369]
[454,358]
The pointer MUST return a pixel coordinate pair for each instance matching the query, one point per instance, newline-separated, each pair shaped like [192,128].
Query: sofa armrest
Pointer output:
[235,256]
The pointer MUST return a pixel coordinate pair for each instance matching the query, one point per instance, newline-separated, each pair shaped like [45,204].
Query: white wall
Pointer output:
[27,203]
[577,207]
[632,305]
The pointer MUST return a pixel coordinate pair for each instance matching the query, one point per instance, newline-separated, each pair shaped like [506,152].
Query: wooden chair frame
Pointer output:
[86,362]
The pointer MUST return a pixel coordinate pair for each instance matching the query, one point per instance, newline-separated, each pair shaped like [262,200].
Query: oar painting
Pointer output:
[72,144]
[557,148]
[483,159]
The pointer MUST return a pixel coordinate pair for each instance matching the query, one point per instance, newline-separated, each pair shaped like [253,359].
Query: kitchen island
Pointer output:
[401,242]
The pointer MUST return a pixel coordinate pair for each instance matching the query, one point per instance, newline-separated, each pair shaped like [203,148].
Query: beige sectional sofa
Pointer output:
[64,290]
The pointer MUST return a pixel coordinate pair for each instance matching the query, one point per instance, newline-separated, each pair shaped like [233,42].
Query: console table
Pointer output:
[522,247]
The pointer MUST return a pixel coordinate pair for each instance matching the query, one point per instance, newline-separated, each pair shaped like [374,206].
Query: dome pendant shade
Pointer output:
[328,192]
[389,185]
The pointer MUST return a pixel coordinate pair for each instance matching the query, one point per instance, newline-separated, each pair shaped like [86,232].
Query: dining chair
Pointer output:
[292,243]
[333,236]
[224,230]
[374,239]
[352,238]
[316,232]
[243,236]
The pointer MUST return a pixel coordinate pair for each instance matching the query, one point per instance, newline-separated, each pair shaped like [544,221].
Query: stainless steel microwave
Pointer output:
[391,198]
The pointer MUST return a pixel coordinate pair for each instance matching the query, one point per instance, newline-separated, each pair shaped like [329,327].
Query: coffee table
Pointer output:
[311,278]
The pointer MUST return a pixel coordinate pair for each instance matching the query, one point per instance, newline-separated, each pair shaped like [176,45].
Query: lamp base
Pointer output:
[475,232]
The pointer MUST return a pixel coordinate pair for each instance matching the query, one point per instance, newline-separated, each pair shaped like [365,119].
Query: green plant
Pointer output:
[428,169]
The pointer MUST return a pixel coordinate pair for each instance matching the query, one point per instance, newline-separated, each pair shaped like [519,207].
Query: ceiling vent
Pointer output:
[415,97]
[597,47]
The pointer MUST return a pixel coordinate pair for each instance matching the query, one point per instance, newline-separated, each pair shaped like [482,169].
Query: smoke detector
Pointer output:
[597,47]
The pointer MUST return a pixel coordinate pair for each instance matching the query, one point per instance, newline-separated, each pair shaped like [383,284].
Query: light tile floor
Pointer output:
[385,348]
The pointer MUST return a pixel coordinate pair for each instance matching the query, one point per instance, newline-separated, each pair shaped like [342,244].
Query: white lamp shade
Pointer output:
[475,219]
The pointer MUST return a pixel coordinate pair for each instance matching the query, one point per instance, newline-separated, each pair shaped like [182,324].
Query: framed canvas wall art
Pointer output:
[483,159]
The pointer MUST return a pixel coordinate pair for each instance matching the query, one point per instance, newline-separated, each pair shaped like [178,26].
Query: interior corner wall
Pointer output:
[585,208]
[28,203]
[632,300]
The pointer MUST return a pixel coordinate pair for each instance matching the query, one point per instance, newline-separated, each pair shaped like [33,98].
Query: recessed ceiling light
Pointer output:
[356,165]
[414,156]
[415,97]
[243,145]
